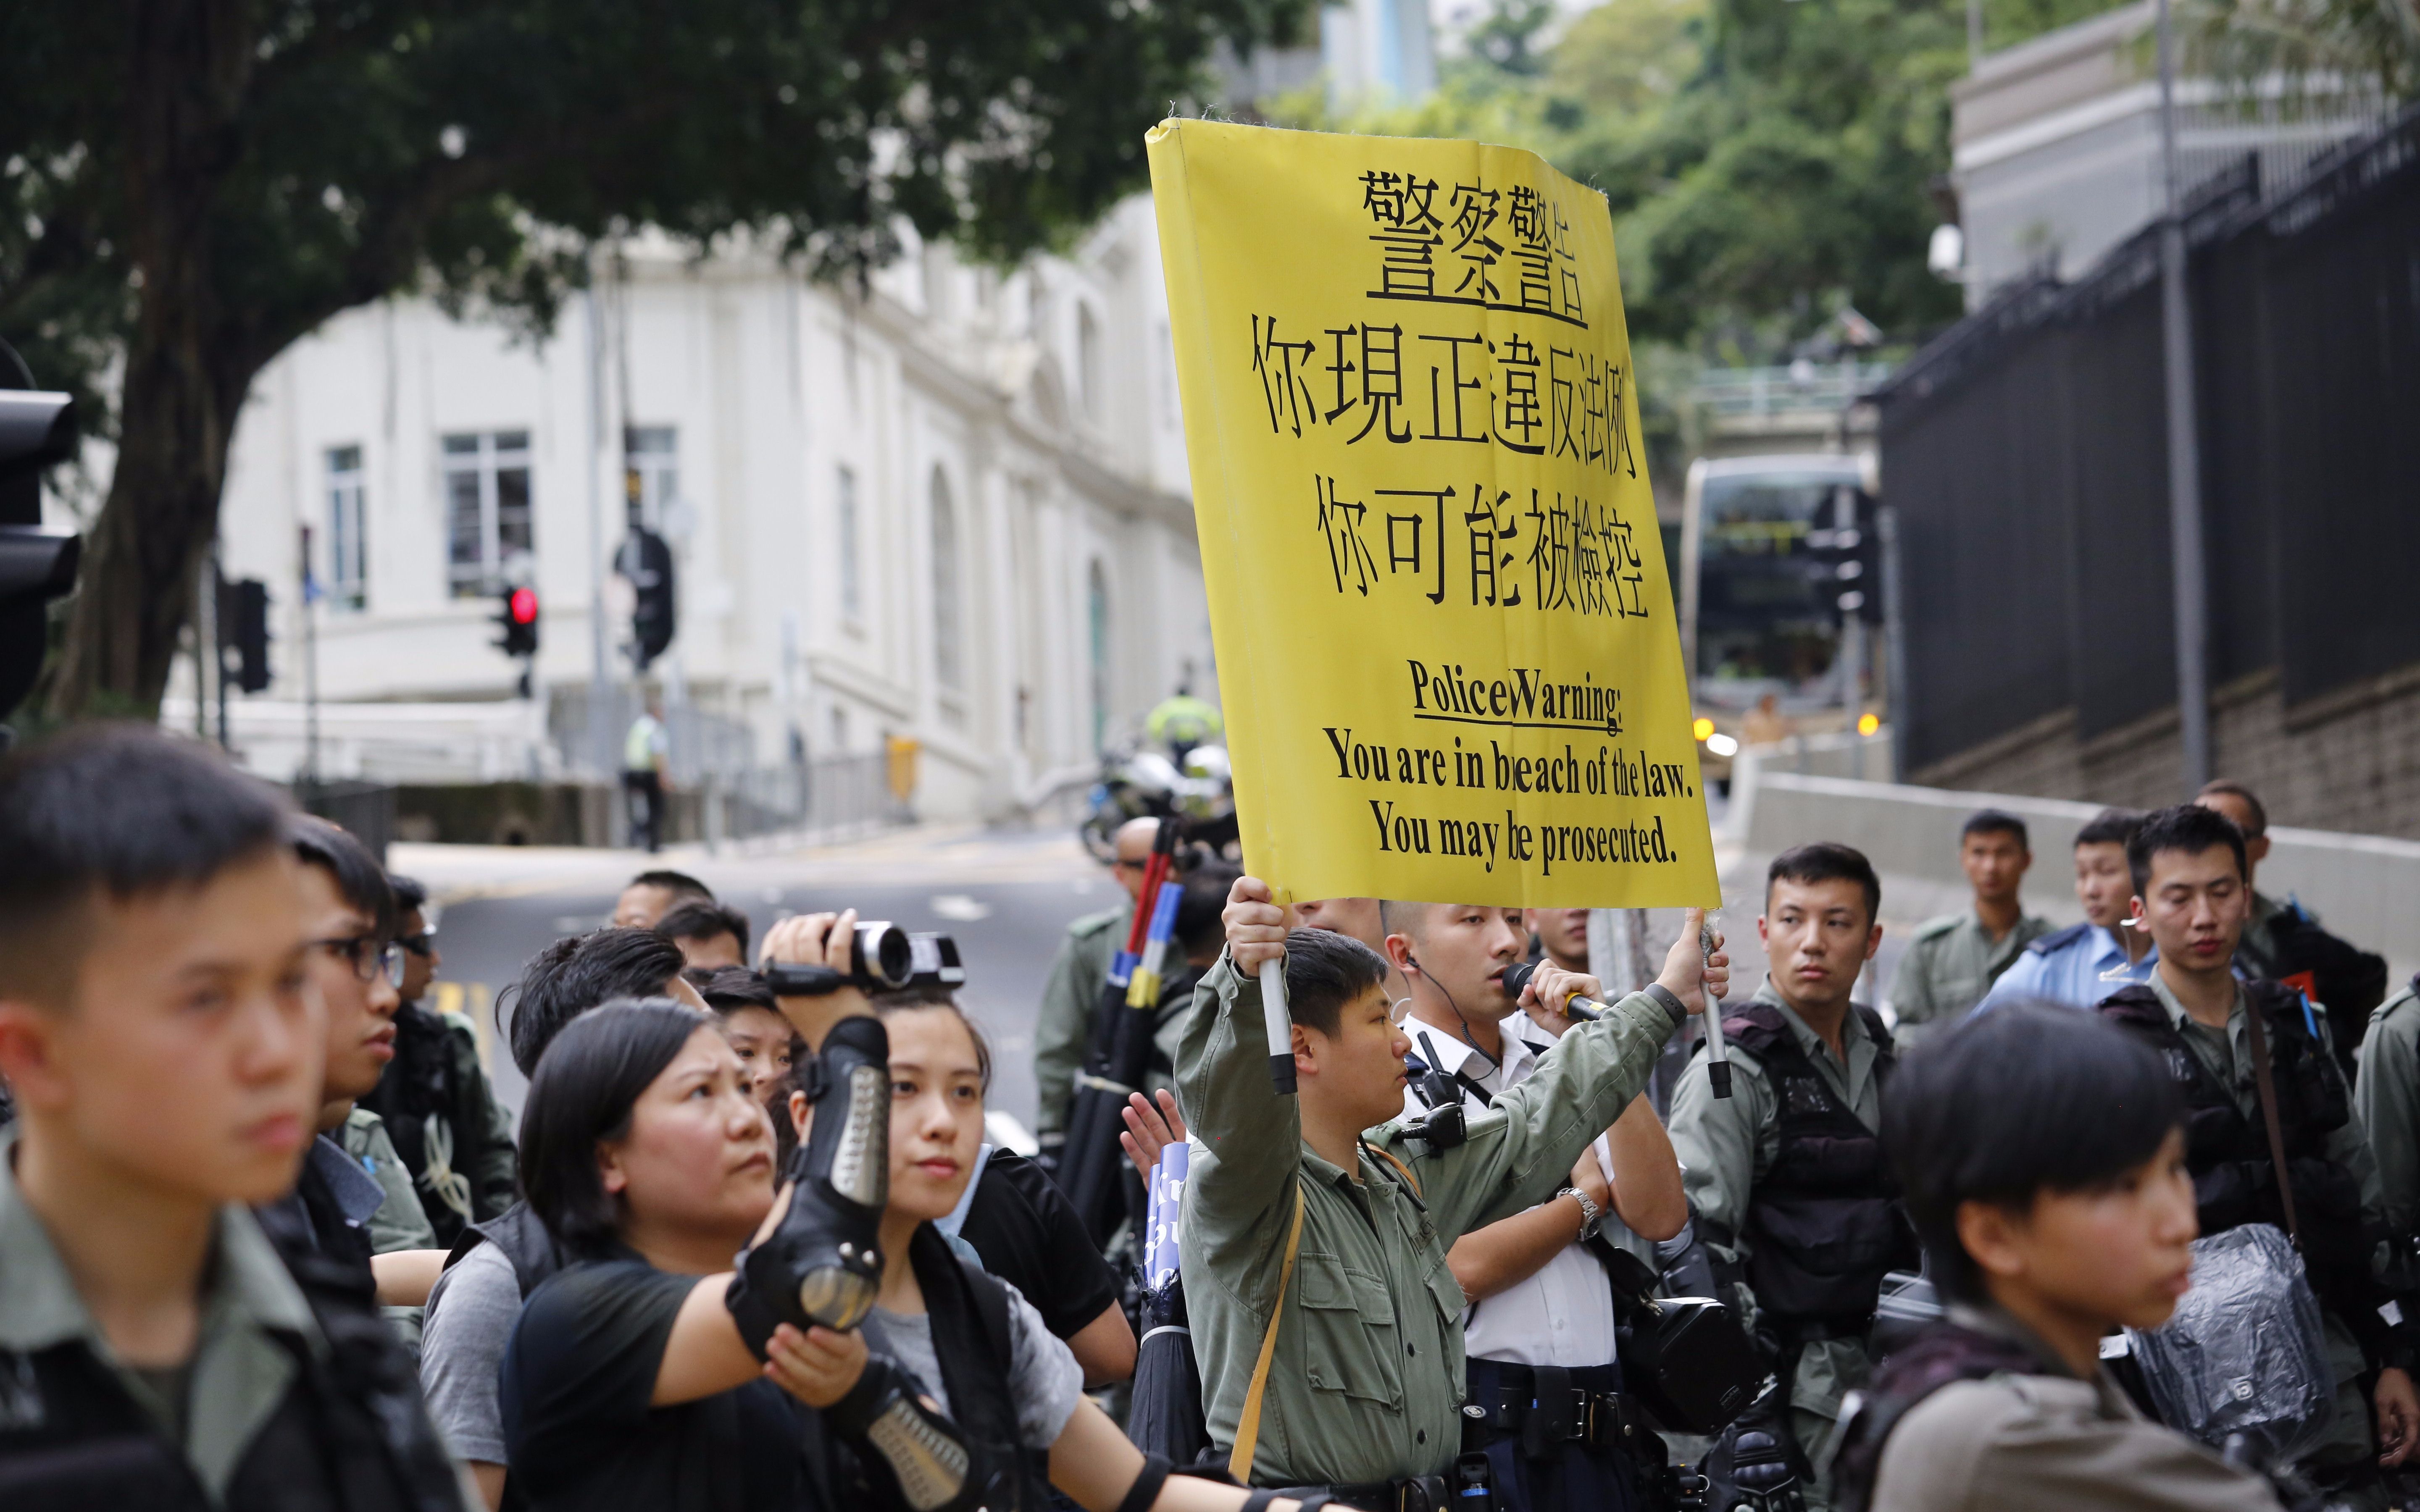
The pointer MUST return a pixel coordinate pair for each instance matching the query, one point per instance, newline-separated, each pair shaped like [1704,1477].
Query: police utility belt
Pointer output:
[1544,1408]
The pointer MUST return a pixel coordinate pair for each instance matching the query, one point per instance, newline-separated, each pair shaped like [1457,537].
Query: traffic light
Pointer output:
[517,616]
[647,563]
[244,629]
[1847,553]
[37,564]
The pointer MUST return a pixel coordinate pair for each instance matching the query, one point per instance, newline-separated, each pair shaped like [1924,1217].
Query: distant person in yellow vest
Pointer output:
[646,774]
[1183,721]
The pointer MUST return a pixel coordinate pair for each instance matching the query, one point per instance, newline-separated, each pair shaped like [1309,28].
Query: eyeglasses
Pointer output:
[421,943]
[368,957]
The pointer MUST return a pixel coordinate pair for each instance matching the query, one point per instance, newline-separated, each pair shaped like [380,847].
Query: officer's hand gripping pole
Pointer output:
[1277,1020]
[822,1264]
[1718,1053]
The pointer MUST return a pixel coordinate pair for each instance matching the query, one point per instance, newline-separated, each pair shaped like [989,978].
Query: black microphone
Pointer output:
[1582,1008]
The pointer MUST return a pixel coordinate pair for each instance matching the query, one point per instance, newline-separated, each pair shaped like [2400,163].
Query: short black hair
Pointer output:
[679,884]
[409,892]
[729,989]
[111,810]
[571,977]
[701,918]
[1826,861]
[2003,1106]
[1324,971]
[2111,827]
[581,1094]
[2189,828]
[1995,822]
[2228,788]
[359,878]
[1202,906]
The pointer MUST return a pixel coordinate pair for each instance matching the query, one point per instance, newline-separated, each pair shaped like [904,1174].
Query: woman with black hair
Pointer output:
[1017,1399]
[625,1383]
[628,1384]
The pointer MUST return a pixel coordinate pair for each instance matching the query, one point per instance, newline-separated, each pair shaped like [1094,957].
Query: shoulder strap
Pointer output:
[1391,1159]
[991,1306]
[2267,1085]
[1248,1428]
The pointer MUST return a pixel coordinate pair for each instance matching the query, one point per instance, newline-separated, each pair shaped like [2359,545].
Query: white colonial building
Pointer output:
[951,506]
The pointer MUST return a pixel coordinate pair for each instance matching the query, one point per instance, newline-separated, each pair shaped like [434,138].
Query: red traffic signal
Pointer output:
[517,618]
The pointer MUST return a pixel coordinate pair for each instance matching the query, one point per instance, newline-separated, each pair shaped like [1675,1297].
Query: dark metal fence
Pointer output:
[2026,453]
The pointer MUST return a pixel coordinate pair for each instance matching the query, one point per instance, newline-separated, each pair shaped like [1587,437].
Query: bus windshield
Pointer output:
[1766,620]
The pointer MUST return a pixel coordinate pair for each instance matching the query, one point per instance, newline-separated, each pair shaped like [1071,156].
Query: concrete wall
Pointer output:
[2348,760]
[2364,888]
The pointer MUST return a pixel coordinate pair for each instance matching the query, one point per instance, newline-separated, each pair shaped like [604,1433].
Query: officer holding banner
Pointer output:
[1450,673]
[1325,1315]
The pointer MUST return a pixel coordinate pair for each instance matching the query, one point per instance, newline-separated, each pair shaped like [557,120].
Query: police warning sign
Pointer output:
[1445,635]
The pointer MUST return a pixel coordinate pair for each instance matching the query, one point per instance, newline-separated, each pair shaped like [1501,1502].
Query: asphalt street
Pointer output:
[1005,897]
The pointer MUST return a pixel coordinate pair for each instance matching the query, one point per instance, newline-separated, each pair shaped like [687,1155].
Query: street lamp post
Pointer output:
[2184,444]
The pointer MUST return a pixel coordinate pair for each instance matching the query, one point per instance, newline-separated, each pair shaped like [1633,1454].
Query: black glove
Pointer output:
[936,1467]
[1754,1464]
[823,1262]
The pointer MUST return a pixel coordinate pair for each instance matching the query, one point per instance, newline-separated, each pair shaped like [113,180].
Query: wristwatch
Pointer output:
[1592,1216]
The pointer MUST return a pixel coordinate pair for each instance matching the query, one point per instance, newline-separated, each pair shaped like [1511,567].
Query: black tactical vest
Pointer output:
[2235,1179]
[521,1237]
[1824,1224]
[351,1434]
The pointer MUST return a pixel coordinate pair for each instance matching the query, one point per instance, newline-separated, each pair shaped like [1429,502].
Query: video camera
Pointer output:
[887,958]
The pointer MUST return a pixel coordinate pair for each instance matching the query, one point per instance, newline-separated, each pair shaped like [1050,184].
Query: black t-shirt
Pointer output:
[1031,1237]
[578,1432]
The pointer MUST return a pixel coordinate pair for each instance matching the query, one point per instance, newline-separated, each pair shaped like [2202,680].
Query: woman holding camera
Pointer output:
[631,1382]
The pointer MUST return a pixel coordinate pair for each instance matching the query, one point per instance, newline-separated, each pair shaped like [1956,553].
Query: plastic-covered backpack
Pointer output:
[2239,1367]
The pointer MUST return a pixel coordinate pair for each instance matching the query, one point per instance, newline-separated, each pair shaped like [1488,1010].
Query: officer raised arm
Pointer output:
[1326,1316]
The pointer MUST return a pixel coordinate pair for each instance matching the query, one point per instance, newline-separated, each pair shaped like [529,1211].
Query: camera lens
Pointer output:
[885,956]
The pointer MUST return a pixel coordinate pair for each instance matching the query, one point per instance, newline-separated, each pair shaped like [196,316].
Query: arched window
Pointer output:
[1087,360]
[949,658]
[1096,598]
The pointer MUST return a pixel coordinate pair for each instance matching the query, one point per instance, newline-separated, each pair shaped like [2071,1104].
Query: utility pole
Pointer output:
[600,729]
[310,670]
[2190,570]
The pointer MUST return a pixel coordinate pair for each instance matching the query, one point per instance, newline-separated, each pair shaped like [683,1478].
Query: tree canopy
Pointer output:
[191,185]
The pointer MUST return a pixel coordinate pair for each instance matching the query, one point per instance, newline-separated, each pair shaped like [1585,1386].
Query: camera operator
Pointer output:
[1015,1218]
[160,1026]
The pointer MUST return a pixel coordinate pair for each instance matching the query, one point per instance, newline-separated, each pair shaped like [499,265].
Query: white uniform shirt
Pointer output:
[1562,1315]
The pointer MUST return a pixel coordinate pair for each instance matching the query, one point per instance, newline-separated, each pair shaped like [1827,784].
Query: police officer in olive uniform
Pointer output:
[1063,1029]
[2388,1097]
[1786,1172]
[1954,960]
[1327,1320]
[2201,1018]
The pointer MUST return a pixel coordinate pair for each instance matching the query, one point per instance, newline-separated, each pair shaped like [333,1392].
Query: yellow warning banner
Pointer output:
[1444,633]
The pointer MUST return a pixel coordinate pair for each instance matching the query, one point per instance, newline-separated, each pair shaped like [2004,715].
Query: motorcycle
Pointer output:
[1141,784]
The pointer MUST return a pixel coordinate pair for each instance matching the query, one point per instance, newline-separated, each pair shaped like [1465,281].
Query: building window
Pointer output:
[650,473]
[348,547]
[1097,611]
[486,511]
[1087,360]
[852,591]
[949,659]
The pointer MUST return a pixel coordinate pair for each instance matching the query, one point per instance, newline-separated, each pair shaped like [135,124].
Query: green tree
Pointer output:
[193,185]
